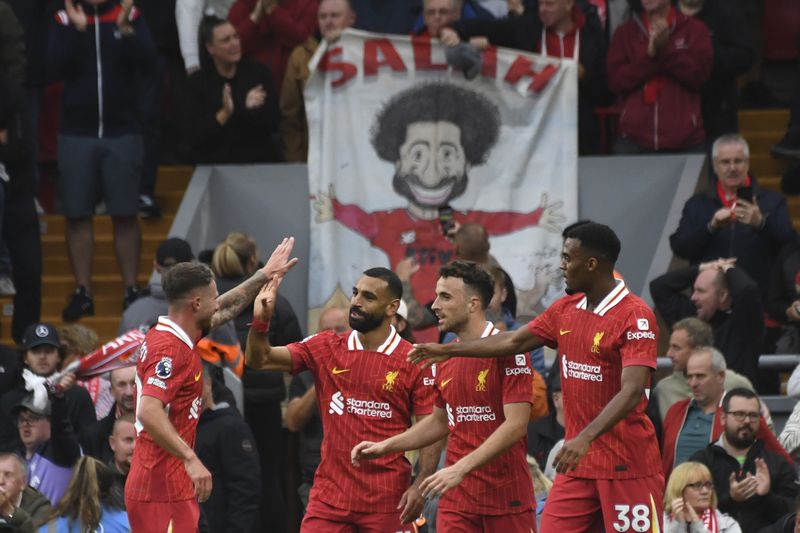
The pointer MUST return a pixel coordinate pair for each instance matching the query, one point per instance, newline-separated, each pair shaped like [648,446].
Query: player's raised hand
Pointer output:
[550,218]
[200,476]
[264,304]
[279,263]
[442,481]
[411,504]
[427,354]
[323,205]
[366,450]
[570,454]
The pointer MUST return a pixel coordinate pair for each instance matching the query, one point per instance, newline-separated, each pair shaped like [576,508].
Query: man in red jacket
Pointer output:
[657,63]
[691,424]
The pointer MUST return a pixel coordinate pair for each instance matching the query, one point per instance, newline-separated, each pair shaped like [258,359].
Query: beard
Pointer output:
[363,322]
[400,184]
[740,440]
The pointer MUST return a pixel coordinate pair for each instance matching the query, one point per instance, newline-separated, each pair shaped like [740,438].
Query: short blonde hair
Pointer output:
[680,478]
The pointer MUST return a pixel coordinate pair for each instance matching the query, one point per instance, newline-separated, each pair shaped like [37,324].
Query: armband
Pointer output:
[259,326]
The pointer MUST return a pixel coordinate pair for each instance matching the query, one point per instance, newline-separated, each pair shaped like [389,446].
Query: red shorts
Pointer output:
[163,517]
[323,518]
[457,522]
[592,505]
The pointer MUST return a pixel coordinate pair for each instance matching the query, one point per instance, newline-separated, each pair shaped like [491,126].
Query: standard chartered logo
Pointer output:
[576,370]
[337,404]
[369,408]
[474,413]
[451,420]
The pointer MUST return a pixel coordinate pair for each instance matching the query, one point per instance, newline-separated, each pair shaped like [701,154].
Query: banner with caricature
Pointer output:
[400,143]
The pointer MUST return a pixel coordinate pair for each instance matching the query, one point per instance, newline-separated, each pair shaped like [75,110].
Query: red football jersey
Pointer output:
[593,348]
[473,392]
[170,370]
[362,395]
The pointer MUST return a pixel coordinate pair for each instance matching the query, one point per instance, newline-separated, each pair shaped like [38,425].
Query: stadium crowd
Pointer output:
[95,94]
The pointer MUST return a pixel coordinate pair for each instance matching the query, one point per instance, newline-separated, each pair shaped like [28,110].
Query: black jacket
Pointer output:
[737,333]
[226,447]
[16,153]
[785,524]
[754,248]
[758,511]
[782,291]
[94,439]
[247,136]
[542,436]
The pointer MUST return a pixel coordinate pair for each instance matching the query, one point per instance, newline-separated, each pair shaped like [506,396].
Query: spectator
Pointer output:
[12,46]
[188,14]
[78,341]
[688,334]
[436,14]
[9,369]
[783,304]
[691,424]
[100,131]
[561,29]
[122,442]
[400,322]
[30,500]
[231,108]
[41,355]
[657,63]
[790,436]
[754,484]
[49,445]
[734,54]
[718,223]
[302,412]
[545,433]
[270,29]
[20,224]
[690,503]
[388,16]
[226,447]
[234,260]
[220,347]
[90,502]
[334,16]
[13,517]
[725,297]
[95,440]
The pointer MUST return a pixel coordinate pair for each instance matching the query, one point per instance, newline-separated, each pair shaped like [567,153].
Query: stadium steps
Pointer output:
[763,128]
[57,280]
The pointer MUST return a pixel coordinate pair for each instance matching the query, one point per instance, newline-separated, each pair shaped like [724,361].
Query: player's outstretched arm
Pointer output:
[154,419]
[233,302]
[632,387]
[513,428]
[259,354]
[427,431]
[500,345]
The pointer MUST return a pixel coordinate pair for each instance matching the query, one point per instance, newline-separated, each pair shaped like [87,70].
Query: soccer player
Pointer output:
[166,478]
[485,404]
[610,470]
[366,389]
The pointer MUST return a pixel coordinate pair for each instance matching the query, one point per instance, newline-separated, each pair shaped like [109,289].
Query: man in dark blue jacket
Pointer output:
[100,49]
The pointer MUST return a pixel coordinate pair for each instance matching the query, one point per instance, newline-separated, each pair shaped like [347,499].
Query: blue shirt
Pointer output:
[695,433]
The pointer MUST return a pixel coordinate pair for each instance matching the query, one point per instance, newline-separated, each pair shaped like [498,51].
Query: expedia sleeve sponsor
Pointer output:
[640,335]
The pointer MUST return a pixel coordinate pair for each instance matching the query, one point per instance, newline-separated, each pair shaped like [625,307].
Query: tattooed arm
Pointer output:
[233,302]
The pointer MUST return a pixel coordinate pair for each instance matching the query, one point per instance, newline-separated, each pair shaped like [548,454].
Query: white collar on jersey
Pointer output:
[489,330]
[612,298]
[165,324]
[387,348]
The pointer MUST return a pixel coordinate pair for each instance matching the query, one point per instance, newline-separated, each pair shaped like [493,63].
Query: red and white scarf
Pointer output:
[710,521]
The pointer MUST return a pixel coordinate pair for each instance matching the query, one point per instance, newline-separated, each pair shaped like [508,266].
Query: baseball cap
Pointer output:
[402,310]
[39,334]
[27,403]
[173,251]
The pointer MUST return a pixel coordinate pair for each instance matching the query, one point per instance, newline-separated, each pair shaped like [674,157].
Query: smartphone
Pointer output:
[446,218]
[745,193]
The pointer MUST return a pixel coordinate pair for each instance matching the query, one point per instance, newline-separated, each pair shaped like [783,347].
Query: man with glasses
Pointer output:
[754,484]
[691,424]
[734,217]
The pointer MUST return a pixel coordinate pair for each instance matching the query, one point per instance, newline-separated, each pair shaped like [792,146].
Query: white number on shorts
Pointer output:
[640,522]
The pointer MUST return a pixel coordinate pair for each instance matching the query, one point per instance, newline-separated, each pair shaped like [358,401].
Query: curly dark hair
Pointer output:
[476,279]
[474,114]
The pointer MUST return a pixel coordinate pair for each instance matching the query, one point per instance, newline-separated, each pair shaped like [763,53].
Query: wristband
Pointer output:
[259,326]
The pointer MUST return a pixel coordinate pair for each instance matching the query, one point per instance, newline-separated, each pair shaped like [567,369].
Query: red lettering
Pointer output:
[380,53]
[523,68]
[423,53]
[489,60]
[328,64]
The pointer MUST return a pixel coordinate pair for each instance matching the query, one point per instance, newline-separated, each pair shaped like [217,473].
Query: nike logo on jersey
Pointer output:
[564,331]
[335,370]
[197,377]
[444,383]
